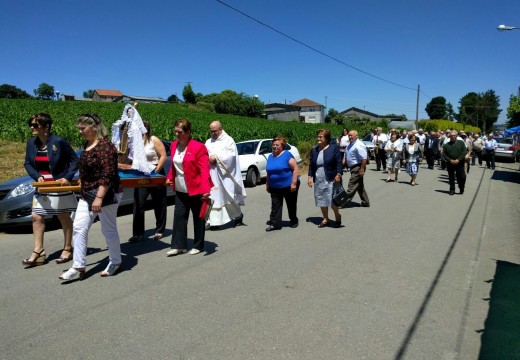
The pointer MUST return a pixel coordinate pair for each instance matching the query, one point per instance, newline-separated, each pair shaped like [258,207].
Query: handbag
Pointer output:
[205,209]
[339,195]
[90,195]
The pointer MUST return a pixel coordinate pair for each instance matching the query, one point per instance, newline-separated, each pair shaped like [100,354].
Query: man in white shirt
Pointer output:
[490,145]
[379,142]
[356,160]
[228,192]
[421,139]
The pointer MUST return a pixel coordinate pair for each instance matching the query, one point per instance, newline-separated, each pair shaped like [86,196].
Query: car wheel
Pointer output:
[251,177]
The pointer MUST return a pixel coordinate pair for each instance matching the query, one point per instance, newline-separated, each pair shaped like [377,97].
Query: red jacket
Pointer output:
[196,168]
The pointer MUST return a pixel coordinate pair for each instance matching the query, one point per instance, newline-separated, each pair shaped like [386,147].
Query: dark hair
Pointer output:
[184,124]
[42,119]
[325,133]
[148,134]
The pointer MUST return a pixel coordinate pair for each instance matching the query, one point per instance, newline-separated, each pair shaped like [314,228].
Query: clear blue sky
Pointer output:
[449,47]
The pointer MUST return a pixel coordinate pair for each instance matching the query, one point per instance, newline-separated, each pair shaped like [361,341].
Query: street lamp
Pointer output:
[505,27]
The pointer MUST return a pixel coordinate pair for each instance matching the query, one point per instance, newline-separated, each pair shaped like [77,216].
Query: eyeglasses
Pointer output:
[320,137]
[34,125]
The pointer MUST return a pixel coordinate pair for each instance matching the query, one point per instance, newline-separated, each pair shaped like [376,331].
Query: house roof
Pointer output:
[305,103]
[361,111]
[102,92]
[277,107]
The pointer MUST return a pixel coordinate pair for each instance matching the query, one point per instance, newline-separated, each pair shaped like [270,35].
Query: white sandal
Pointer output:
[110,270]
[73,274]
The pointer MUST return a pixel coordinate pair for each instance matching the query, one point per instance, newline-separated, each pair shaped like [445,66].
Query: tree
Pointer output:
[173,98]
[480,110]
[188,94]
[437,108]
[88,94]
[44,91]
[513,111]
[12,92]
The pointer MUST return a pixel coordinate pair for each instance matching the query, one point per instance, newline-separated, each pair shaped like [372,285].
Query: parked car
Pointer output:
[369,145]
[16,197]
[508,148]
[253,156]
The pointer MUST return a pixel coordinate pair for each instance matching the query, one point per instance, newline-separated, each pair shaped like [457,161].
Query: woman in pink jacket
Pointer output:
[190,179]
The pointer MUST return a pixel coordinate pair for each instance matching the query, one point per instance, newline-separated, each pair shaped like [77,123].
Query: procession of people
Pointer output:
[207,179]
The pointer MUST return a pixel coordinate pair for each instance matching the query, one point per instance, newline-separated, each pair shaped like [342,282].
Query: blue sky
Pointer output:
[154,48]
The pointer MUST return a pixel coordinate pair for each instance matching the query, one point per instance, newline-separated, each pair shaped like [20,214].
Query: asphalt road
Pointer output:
[411,277]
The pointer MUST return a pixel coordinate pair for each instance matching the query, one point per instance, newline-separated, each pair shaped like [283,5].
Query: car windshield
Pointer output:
[505,140]
[247,148]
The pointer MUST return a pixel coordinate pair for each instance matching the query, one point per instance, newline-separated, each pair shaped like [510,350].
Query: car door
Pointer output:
[265,148]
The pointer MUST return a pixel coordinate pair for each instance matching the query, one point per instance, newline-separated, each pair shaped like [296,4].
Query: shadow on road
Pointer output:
[501,333]
[509,176]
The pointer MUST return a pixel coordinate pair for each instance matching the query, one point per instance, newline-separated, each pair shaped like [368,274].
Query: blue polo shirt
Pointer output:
[279,171]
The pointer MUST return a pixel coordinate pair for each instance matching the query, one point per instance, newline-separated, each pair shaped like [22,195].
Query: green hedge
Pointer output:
[15,113]
[436,125]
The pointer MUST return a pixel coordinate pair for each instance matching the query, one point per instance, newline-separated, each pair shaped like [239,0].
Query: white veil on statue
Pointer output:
[135,132]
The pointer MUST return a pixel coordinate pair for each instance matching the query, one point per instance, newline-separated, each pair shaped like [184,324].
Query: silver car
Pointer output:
[507,148]
[16,197]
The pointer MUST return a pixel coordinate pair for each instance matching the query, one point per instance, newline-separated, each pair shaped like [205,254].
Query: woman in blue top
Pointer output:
[282,183]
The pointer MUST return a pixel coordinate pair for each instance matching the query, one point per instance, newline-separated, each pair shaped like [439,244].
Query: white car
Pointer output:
[253,156]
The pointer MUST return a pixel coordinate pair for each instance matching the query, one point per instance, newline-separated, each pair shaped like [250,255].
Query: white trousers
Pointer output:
[82,223]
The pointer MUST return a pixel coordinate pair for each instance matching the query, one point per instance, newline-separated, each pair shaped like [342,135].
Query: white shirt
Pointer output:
[355,153]
[381,137]
[422,138]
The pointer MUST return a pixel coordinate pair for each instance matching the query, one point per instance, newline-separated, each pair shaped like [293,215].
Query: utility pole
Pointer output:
[417,108]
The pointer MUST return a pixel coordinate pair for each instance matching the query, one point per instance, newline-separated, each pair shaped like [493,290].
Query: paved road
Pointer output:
[409,278]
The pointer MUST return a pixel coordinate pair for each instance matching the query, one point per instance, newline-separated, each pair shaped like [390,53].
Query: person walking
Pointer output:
[454,153]
[478,147]
[228,192]
[490,146]
[190,179]
[49,157]
[156,158]
[325,171]
[282,183]
[393,150]
[379,141]
[101,192]
[411,158]
[356,161]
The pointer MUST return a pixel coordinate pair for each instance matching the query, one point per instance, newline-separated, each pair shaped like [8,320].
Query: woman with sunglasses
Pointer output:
[101,192]
[47,158]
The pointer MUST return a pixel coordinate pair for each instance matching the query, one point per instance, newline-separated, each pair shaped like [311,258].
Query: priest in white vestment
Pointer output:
[229,191]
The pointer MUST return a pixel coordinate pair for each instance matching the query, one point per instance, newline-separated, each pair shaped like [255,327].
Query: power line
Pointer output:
[316,50]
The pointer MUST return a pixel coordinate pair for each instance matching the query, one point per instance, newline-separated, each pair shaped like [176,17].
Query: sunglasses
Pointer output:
[34,125]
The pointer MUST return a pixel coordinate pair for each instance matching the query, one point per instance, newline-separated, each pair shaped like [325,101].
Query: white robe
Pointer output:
[225,193]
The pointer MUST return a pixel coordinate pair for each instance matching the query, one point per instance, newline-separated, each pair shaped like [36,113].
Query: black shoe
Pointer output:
[365,205]
[452,192]
[294,225]
[268,222]
[239,220]
[272,228]
[461,191]
[208,226]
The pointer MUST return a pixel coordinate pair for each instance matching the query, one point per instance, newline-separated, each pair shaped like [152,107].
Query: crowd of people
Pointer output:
[207,179]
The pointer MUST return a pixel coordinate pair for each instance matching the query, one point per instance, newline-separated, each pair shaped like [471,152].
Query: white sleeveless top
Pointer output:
[151,154]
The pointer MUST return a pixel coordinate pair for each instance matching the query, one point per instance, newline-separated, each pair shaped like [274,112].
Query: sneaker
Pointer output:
[194,251]
[174,252]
